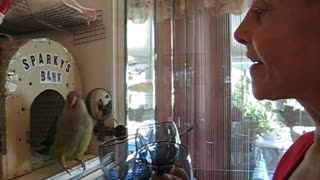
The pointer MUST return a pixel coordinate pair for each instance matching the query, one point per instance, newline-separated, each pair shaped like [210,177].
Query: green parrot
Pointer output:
[73,132]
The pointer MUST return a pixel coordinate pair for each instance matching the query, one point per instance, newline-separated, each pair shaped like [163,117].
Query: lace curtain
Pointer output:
[141,10]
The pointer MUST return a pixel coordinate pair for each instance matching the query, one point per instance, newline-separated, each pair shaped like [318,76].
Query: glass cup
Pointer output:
[117,159]
[162,157]
[157,132]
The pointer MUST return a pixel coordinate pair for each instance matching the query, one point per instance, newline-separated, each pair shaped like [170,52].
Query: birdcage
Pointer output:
[25,16]
[35,77]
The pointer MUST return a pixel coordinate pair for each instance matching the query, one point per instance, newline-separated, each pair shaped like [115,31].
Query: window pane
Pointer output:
[140,74]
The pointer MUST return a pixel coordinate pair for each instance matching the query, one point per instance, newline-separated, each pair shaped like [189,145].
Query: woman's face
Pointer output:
[283,40]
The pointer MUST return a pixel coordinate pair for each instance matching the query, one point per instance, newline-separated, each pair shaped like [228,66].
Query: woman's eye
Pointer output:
[258,11]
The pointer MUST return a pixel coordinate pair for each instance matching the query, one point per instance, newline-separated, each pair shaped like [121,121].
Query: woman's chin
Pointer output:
[266,95]
[269,96]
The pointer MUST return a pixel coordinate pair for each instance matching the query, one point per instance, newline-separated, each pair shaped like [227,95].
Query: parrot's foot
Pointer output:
[82,163]
[66,168]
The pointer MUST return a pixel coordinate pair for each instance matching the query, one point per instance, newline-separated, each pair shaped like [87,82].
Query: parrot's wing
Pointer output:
[84,137]
[73,133]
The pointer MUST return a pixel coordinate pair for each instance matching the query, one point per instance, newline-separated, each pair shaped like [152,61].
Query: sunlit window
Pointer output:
[140,74]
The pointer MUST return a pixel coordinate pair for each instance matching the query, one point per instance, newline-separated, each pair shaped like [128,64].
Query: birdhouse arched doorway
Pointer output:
[44,112]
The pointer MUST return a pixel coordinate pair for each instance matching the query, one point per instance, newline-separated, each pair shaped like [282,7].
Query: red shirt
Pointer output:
[294,155]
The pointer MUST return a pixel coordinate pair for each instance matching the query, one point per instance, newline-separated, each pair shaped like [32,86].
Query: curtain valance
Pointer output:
[141,10]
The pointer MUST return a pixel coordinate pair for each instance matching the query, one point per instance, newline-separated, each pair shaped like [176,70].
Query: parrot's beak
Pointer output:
[72,101]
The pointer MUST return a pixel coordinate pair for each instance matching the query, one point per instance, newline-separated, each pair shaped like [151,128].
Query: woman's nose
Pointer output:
[241,35]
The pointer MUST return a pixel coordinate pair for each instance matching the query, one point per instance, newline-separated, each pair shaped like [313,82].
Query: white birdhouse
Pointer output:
[35,77]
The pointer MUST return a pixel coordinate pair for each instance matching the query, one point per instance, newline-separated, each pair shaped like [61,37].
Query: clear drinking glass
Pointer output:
[157,132]
[162,157]
[117,159]
[155,149]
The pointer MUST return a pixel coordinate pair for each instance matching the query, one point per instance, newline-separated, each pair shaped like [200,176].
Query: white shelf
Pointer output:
[54,171]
